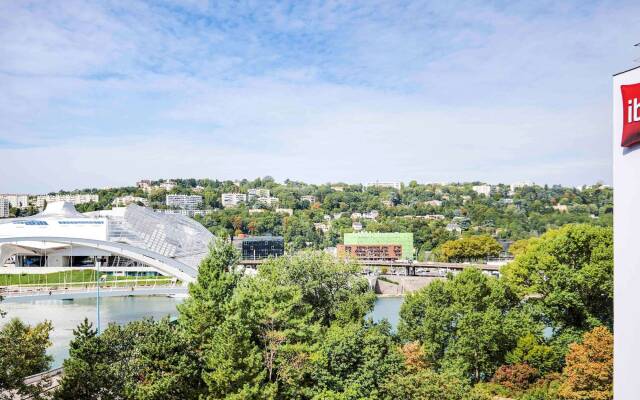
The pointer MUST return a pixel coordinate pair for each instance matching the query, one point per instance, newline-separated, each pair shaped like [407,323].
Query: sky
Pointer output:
[96,94]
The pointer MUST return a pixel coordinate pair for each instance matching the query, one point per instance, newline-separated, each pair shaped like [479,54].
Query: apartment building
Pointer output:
[183,201]
[257,193]
[268,201]
[311,199]
[16,200]
[233,199]
[392,185]
[124,201]
[4,207]
[75,199]
[168,186]
[482,189]
[288,211]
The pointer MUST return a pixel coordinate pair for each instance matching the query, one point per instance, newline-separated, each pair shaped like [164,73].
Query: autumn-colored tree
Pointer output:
[515,376]
[414,357]
[589,367]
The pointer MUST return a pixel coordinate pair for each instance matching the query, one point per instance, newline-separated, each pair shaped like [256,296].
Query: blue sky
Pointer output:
[105,93]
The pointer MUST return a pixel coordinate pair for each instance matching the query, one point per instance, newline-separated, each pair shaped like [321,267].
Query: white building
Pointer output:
[392,185]
[258,192]
[124,201]
[373,214]
[168,186]
[16,200]
[356,226]
[433,203]
[519,185]
[322,227]
[431,217]
[482,189]
[144,184]
[268,201]
[4,207]
[625,142]
[453,227]
[233,199]
[285,211]
[186,213]
[184,201]
[122,238]
[310,198]
[75,199]
[563,208]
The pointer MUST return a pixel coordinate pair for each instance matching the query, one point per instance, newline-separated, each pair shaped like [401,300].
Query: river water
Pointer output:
[66,315]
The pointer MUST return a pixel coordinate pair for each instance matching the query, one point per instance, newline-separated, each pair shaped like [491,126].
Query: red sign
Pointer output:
[631,122]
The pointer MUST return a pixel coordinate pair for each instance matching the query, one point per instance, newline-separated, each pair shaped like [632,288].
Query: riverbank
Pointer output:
[400,285]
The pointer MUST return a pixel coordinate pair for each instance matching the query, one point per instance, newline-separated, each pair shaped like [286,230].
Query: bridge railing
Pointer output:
[88,286]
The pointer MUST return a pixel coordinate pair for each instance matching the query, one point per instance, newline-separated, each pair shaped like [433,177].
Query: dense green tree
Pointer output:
[427,384]
[22,353]
[142,360]
[205,308]
[332,288]
[469,248]
[354,360]
[568,273]
[532,350]
[467,323]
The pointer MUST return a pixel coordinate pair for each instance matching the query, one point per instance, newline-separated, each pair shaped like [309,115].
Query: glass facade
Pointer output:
[255,248]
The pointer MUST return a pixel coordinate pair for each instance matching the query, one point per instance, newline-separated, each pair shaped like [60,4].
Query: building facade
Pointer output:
[482,189]
[233,199]
[5,206]
[75,199]
[311,199]
[371,252]
[258,192]
[16,200]
[625,140]
[403,239]
[392,185]
[124,201]
[268,201]
[123,237]
[259,247]
[183,201]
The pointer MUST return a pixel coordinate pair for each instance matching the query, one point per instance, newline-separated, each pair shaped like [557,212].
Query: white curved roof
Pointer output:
[169,235]
[59,209]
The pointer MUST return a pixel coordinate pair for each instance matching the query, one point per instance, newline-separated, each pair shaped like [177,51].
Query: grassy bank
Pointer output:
[66,277]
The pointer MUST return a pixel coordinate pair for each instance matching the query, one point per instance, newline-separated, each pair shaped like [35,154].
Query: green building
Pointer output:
[382,238]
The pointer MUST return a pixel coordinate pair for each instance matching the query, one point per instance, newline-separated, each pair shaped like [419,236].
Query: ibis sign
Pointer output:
[631,114]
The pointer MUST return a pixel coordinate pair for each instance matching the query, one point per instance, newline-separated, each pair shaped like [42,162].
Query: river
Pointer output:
[66,315]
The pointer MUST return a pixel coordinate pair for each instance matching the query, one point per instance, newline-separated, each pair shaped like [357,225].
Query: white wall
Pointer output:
[626,181]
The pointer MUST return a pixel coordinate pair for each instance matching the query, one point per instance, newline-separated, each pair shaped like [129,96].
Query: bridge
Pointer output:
[425,268]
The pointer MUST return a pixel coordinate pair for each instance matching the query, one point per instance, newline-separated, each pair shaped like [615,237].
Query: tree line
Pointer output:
[301,329]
